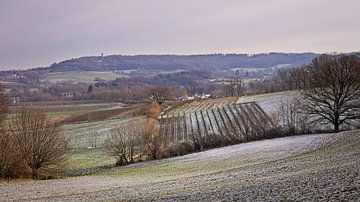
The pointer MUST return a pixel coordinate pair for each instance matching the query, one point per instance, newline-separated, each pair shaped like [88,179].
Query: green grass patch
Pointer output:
[85,161]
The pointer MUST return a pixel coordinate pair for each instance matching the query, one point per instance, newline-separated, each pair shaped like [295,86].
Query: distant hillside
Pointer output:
[186,62]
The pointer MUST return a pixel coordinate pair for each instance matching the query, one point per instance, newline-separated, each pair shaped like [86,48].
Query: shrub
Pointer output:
[179,149]
[153,111]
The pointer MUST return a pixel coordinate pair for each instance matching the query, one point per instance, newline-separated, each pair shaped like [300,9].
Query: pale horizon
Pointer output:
[38,33]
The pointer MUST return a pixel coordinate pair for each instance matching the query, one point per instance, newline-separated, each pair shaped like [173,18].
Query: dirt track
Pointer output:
[312,167]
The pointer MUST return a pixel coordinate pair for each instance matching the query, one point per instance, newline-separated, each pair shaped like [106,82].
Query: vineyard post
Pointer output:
[205,126]
[230,121]
[246,126]
[178,127]
[256,117]
[254,128]
[211,124]
[166,128]
[198,125]
[223,121]
[162,125]
[217,122]
[241,128]
[173,127]
[264,115]
[191,125]
[185,127]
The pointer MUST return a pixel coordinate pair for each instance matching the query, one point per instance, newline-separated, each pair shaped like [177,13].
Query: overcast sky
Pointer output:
[41,32]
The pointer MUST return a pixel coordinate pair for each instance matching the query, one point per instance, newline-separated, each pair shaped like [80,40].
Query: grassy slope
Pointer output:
[312,167]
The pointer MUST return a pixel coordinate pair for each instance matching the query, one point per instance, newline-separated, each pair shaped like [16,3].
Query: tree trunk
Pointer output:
[336,122]
[131,155]
[336,127]
[34,173]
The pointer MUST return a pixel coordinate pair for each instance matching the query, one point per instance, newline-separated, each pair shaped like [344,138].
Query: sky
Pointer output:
[37,33]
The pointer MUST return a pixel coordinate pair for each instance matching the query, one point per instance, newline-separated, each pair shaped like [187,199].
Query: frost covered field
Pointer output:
[85,160]
[308,167]
[269,102]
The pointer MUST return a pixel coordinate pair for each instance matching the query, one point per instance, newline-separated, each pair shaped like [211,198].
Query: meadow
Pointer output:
[82,76]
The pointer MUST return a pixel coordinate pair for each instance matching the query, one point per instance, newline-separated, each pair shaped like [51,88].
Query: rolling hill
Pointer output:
[177,62]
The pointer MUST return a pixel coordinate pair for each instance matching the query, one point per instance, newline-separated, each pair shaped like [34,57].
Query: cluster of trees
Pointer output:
[30,144]
[132,141]
[330,95]
[284,79]
[290,119]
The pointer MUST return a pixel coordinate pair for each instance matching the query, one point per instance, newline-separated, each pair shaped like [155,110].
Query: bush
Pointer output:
[179,149]
[153,111]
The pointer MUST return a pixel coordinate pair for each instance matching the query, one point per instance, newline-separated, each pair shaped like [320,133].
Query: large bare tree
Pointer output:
[334,89]
[41,142]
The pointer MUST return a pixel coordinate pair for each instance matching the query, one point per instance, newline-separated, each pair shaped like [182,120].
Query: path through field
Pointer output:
[317,167]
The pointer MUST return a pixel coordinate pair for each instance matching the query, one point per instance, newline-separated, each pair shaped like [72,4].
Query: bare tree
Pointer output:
[41,143]
[334,89]
[290,118]
[159,94]
[284,76]
[122,143]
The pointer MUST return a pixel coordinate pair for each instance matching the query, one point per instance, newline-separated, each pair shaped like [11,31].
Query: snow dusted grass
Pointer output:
[268,102]
[308,167]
